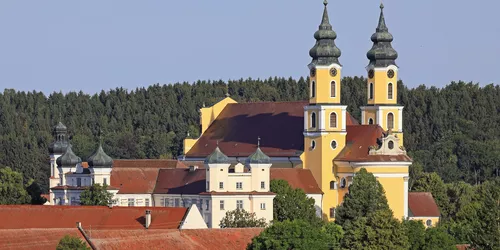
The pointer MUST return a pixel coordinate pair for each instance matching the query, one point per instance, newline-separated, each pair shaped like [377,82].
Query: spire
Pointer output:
[258,157]
[325,52]
[382,54]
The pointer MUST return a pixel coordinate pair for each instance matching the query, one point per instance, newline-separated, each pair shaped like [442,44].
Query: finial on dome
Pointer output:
[381,5]
[258,141]
[325,2]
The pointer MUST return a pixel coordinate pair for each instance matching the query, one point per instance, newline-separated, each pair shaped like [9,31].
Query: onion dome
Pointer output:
[382,54]
[325,52]
[61,143]
[68,159]
[258,158]
[100,159]
[217,157]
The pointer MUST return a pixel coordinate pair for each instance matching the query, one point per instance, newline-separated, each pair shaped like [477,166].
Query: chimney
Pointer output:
[192,168]
[148,218]
[78,225]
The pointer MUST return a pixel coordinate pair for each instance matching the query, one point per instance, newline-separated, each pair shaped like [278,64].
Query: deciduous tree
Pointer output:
[71,243]
[96,195]
[239,218]
[291,204]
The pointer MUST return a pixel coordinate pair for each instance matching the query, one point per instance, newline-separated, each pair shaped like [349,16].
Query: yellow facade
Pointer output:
[323,79]
[380,82]
[428,221]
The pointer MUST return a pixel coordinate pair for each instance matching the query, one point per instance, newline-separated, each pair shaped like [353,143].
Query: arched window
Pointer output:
[333,120]
[390,121]
[389,91]
[370,91]
[370,121]
[313,89]
[333,90]
[391,145]
[332,185]
[313,120]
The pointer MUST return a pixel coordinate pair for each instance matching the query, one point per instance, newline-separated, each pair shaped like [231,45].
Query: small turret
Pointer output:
[382,54]
[68,159]
[325,52]
[258,157]
[217,157]
[100,159]
[61,143]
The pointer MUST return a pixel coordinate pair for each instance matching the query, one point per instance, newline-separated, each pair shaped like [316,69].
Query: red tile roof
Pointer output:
[237,193]
[139,176]
[66,187]
[358,141]
[208,239]
[38,238]
[422,204]
[279,124]
[297,178]
[28,216]
[182,181]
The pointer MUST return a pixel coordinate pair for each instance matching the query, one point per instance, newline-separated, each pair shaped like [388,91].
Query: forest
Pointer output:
[453,131]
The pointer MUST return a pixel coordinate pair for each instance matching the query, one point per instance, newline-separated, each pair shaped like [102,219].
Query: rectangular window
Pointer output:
[105,181]
[207,203]
[177,202]
[78,182]
[332,212]
[147,203]
[166,202]
[208,186]
[262,206]
[131,202]
[239,185]
[200,204]
[193,201]
[73,201]
[262,185]
[221,205]
[221,185]
[239,204]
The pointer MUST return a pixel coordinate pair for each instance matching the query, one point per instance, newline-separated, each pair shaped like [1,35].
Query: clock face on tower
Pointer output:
[333,72]
[390,73]
[313,72]
[371,73]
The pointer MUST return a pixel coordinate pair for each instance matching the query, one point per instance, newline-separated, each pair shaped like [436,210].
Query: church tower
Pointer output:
[324,117]
[382,94]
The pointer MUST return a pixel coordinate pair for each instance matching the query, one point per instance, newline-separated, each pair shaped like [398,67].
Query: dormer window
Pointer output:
[390,145]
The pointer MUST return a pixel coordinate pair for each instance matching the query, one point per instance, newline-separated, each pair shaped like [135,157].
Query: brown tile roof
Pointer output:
[29,216]
[35,238]
[279,124]
[182,181]
[139,176]
[192,239]
[358,141]
[237,193]
[66,187]
[422,204]
[297,178]
[148,163]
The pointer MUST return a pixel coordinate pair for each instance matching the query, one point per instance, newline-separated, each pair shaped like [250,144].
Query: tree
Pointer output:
[35,192]
[239,218]
[291,204]
[69,242]
[486,230]
[415,231]
[12,189]
[366,218]
[297,234]
[96,195]
[438,238]
[431,182]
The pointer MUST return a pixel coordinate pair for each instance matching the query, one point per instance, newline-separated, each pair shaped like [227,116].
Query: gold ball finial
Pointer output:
[381,5]
[325,2]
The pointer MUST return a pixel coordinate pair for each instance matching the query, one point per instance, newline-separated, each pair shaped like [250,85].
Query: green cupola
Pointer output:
[325,52]
[258,157]
[68,159]
[100,159]
[382,54]
[217,157]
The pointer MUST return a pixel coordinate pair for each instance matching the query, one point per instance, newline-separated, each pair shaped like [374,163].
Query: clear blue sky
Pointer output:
[61,45]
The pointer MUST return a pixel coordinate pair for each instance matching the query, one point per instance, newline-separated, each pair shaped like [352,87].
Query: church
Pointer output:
[315,145]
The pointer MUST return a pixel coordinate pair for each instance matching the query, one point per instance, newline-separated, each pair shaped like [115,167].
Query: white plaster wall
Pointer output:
[139,199]
[193,219]
[317,203]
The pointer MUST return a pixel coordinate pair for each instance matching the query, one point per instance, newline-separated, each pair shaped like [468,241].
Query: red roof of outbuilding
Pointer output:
[422,204]
[279,124]
[358,141]
[37,238]
[297,178]
[28,216]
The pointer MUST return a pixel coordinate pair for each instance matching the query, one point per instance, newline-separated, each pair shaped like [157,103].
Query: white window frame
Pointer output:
[239,185]
[239,204]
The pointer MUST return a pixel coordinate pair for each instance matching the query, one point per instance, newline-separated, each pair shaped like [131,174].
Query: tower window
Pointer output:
[390,121]
[333,120]
[333,90]
[334,145]
[333,186]
[389,91]
[313,89]
[370,121]
[313,144]
[370,91]
[391,145]
[313,120]
[332,212]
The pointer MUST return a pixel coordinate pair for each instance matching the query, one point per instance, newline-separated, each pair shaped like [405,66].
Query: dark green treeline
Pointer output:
[454,131]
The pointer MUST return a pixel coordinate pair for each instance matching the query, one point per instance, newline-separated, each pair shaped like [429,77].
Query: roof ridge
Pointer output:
[265,102]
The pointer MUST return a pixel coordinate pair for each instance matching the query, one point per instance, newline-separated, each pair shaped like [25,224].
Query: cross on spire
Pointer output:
[325,2]
[258,141]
